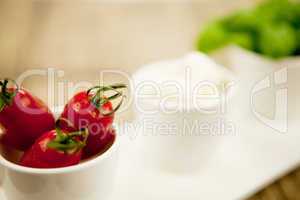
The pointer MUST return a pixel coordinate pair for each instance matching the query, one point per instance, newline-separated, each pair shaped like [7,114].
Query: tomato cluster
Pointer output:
[84,128]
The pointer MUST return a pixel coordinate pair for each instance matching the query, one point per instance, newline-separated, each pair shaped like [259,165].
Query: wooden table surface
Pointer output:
[287,188]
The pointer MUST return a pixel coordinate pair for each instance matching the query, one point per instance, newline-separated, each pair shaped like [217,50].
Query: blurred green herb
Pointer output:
[271,28]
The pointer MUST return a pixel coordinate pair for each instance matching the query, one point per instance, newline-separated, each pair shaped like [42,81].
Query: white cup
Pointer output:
[186,149]
[167,140]
[90,180]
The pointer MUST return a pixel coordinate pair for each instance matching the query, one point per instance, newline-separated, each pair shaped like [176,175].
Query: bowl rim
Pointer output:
[139,76]
[62,170]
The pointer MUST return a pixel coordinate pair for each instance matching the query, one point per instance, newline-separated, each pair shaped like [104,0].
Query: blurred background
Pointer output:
[82,37]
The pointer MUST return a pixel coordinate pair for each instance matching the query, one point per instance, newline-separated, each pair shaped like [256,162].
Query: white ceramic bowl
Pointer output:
[174,146]
[90,180]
